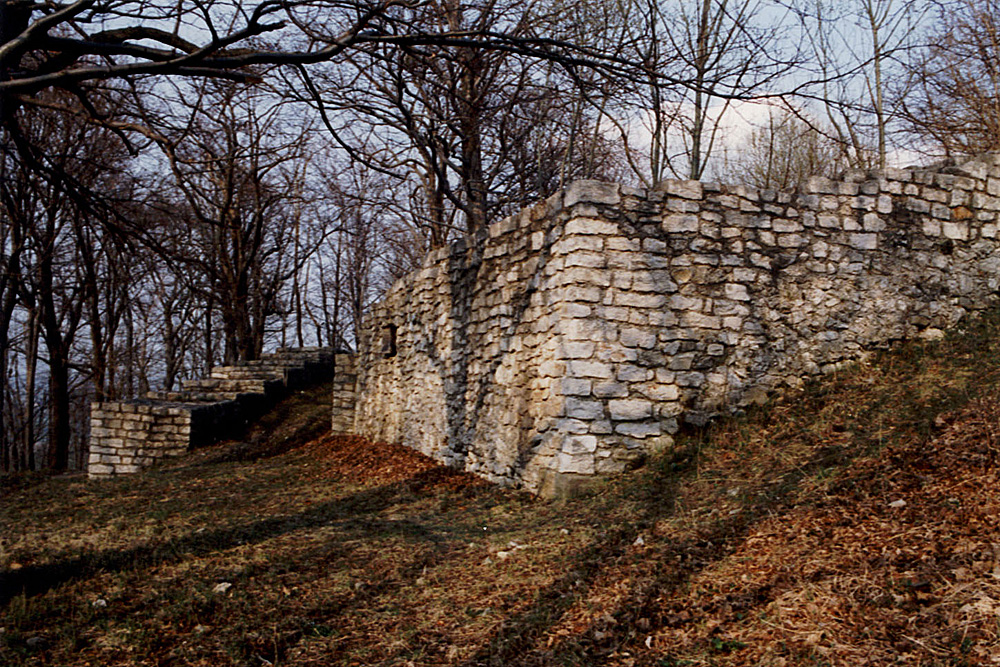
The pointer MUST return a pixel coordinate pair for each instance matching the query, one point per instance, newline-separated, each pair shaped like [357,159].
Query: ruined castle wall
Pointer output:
[127,437]
[457,360]
[540,362]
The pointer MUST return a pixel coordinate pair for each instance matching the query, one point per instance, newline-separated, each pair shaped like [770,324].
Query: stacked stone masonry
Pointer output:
[344,396]
[573,338]
[127,437]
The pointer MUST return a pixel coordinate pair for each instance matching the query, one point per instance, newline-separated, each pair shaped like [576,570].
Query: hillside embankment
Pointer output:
[854,522]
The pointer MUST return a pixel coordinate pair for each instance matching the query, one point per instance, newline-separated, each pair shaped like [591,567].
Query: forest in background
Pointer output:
[185,184]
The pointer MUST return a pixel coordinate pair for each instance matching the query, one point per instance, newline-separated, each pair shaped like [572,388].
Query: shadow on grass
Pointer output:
[516,642]
[351,514]
[654,497]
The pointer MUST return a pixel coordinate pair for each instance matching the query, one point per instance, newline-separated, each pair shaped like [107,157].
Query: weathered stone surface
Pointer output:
[537,371]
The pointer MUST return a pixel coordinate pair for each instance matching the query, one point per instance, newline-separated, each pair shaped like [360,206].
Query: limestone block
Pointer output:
[787,226]
[684,189]
[640,430]
[573,425]
[580,444]
[569,244]
[690,379]
[592,192]
[584,225]
[587,259]
[884,205]
[630,409]
[657,391]
[699,320]
[610,389]
[864,241]
[581,464]
[654,245]
[590,369]
[632,373]
[871,222]
[680,223]
[576,386]
[642,300]
[958,231]
[601,427]
[578,349]
[631,337]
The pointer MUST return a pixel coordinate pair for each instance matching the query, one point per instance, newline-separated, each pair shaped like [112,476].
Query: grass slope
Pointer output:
[854,522]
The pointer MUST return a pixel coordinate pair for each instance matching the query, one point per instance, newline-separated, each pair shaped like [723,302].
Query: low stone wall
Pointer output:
[124,438]
[573,338]
[127,437]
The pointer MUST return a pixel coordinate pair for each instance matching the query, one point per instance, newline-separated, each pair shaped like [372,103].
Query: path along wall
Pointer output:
[573,338]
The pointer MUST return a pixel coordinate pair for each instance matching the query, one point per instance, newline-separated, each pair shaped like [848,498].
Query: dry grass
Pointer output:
[852,523]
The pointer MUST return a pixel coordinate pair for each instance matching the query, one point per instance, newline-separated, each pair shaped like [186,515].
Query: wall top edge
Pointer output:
[603,193]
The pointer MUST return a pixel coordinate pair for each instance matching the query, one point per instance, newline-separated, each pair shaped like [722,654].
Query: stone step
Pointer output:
[191,396]
[246,373]
[247,385]
[206,409]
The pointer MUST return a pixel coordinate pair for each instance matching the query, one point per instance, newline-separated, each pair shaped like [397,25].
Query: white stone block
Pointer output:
[578,349]
[570,244]
[580,464]
[640,300]
[631,373]
[659,392]
[591,192]
[958,231]
[580,444]
[610,389]
[864,241]
[591,226]
[736,292]
[679,223]
[630,409]
[590,369]
[639,430]
[685,189]
[576,386]
[631,337]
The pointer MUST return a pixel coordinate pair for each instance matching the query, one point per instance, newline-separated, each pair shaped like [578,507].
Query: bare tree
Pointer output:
[858,52]
[51,268]
[782,154]
[471,130]
[725,49]
[953,101]
[234,156]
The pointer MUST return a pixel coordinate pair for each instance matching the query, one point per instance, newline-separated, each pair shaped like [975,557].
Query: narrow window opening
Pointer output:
[389,341]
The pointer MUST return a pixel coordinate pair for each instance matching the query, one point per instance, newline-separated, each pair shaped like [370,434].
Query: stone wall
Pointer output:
[126,437]
[573,338]
[345,371]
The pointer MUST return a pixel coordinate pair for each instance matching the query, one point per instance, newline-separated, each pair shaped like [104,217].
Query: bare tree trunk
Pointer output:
[209,351]
[31,367]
